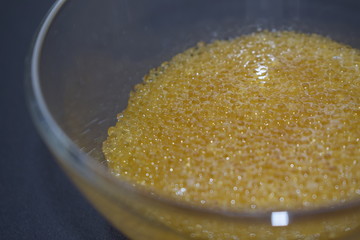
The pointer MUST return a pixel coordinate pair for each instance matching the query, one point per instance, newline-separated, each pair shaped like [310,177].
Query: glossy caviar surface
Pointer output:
[265,121]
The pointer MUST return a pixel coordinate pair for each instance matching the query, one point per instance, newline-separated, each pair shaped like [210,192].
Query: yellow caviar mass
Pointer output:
[265,121]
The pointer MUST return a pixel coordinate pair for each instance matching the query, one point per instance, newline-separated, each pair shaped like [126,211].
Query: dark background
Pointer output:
[37,201]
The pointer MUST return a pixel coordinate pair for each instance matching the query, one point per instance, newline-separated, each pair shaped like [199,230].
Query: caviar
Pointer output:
[269,120]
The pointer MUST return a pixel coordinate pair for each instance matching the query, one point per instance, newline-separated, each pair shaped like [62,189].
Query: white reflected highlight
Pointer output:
[279,219]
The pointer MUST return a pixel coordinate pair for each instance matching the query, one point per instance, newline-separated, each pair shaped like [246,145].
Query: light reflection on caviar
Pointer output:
[264,121]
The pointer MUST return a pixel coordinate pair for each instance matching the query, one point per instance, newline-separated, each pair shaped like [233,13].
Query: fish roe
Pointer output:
[265,121]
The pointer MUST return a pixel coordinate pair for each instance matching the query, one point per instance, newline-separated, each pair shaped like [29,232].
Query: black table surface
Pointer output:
[37,200]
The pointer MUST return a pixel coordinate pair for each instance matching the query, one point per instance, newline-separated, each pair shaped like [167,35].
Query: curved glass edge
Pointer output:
[96,174]
[55,139]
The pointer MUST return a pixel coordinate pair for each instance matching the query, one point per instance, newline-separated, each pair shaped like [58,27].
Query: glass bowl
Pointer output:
[85,60]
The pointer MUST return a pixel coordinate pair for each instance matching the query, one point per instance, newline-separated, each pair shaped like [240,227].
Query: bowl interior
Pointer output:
[95,52]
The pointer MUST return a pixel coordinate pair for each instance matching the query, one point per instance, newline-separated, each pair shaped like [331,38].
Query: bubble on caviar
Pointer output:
[264,121]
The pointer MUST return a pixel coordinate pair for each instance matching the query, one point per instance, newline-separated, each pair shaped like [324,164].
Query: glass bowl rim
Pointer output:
[95,174]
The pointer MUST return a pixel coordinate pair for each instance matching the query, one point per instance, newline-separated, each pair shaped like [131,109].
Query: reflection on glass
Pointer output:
[279,219]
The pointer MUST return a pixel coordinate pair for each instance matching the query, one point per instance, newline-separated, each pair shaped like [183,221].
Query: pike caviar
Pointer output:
[264,121]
